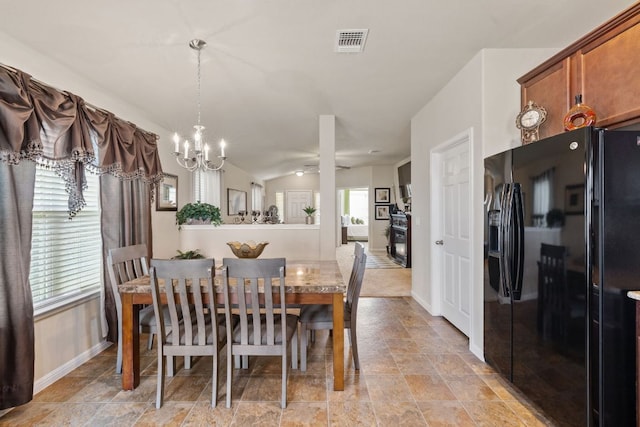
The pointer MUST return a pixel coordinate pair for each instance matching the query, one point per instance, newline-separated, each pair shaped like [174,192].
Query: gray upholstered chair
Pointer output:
[320,316]
[200,330]
[261,330]
[124,264]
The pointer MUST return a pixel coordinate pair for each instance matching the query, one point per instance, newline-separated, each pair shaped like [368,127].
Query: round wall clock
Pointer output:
[529,121]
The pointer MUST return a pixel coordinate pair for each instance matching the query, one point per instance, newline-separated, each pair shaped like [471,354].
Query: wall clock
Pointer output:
[529,121]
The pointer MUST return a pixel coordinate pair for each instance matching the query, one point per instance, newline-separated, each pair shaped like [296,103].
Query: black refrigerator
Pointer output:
[562,249]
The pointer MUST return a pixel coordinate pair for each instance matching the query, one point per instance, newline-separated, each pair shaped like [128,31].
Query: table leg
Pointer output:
[338,342]
[130,343]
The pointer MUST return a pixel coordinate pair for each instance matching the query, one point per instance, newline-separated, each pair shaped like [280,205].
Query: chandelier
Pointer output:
[196,156]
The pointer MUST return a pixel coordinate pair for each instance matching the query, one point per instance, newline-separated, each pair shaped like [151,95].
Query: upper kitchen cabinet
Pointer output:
[602,67]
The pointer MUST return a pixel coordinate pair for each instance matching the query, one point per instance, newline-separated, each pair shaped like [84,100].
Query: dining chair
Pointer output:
[264,328]
[558,304]
[124,264]
[200,330]
[358,251]
[320,316]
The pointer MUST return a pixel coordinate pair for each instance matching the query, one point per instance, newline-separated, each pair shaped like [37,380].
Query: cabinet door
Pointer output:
[611,79]
[550,90]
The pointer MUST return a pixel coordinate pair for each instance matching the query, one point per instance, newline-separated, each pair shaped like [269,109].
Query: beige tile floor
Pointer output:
[416,370]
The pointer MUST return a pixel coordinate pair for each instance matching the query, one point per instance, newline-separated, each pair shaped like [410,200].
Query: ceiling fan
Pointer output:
[315,168]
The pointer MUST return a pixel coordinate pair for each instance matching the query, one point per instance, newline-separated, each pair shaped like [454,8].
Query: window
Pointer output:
[66,254]
[542,197]
[256,197]
[206,187]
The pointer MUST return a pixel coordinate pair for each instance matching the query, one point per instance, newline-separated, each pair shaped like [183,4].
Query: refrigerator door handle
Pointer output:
[518,246]
[504,241]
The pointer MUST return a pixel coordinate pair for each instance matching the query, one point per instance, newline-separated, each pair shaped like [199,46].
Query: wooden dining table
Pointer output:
[306,282]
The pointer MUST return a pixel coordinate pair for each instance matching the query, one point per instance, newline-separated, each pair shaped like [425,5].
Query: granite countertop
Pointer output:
[301,277]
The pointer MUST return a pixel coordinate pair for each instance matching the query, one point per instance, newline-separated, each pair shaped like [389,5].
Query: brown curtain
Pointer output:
[126,220]
[57,129]
[16,308]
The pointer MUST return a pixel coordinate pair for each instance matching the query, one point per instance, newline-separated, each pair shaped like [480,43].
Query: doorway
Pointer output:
[353,207]
[451,229]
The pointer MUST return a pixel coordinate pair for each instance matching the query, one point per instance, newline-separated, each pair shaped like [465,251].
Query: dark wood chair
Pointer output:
[558,301]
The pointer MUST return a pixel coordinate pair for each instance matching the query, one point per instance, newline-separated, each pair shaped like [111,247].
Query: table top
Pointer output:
[301,277]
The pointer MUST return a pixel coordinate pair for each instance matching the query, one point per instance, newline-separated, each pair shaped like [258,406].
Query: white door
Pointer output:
[452,231]
[296,201]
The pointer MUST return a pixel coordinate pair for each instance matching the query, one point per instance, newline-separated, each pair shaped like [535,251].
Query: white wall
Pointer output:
[66,338]
[484,97]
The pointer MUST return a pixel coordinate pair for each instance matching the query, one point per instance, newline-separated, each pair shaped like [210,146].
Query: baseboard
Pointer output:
[424,304]
[477,351]
[53,376]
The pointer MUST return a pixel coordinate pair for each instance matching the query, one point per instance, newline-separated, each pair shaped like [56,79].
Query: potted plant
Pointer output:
[309,211]
[198,213]
[194,254]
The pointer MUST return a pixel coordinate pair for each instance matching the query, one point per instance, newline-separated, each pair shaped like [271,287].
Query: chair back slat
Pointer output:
[184,282]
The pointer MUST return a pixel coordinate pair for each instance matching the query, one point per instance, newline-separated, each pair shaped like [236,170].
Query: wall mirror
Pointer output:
[236,201]
[167,193]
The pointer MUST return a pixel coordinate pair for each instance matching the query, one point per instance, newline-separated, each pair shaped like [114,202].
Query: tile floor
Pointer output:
[416,370]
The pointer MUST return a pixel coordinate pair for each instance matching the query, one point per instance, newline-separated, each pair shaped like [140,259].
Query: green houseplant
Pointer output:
[199,213]
[194,254]
[309,211]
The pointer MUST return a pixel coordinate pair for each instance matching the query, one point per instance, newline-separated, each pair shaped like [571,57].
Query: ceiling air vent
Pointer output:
[350,41]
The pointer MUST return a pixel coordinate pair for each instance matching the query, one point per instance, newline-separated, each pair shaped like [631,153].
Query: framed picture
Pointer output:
[236,201]
[383,195]
[167,193]
[382,211]
[574,199]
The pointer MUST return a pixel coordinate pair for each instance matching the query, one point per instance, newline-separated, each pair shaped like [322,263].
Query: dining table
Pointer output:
[306,282]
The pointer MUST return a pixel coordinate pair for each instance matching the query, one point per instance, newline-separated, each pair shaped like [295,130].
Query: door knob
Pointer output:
[439,242]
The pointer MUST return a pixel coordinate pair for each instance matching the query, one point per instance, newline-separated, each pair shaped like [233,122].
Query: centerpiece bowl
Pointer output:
[248,249]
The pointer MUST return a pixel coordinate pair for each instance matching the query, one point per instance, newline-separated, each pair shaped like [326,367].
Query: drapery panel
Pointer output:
[126,220]
[59,130]
[16,307]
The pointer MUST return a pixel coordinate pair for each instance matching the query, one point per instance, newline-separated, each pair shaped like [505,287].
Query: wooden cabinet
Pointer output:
[601,67]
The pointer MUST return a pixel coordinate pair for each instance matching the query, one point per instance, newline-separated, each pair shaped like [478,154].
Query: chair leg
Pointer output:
[119,356]
[354,347]
[303,347]
[187,362]
[160,386]
[229,374]
[150,342]
[285,365]
[170,364]
[294,351]
[214,381]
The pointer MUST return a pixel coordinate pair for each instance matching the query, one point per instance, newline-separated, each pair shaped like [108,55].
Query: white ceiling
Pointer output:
[270,69]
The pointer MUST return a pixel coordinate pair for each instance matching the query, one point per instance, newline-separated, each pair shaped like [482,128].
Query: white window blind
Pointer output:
[206,187]
[256,197]
[66,254]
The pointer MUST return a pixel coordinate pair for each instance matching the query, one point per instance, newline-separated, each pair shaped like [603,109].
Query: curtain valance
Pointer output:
[58,129]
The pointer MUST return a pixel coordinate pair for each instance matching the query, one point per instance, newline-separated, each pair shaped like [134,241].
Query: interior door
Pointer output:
[296,201]
[454,237]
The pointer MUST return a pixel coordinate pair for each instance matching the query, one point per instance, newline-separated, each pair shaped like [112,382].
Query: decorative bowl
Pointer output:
[248,249]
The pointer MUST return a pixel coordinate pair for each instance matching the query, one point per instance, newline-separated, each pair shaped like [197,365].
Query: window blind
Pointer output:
[206,187]
[66,254]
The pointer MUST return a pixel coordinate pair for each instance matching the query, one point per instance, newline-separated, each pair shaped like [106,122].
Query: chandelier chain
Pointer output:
[199,101]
